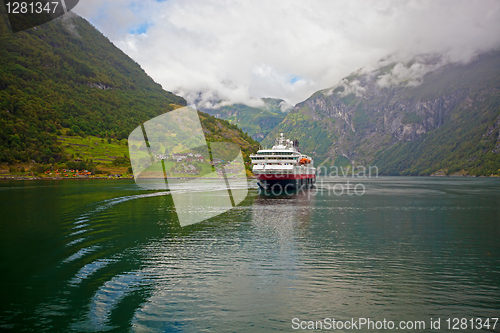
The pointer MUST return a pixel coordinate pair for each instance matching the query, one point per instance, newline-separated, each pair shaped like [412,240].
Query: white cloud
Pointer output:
[348,87]
[410,74]
[285,107]
[243,50]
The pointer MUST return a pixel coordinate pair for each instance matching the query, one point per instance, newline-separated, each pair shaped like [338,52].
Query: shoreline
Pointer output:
[96,178]
[200,178]
[60,178]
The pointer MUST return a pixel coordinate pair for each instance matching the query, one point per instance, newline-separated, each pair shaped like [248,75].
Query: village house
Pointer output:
[179,157]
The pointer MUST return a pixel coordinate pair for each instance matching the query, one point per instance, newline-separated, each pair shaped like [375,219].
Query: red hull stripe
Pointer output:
[283,176]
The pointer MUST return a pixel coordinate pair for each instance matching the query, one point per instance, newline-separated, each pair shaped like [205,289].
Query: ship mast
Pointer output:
[281,139]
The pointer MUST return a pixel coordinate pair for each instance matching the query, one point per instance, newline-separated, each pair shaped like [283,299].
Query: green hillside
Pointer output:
[54,77]
[65,80]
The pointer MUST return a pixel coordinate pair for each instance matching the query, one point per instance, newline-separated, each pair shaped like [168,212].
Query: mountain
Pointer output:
[414,118]
[257,122]
[66,78]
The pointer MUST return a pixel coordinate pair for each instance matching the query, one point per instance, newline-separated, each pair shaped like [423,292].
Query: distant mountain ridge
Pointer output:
[256,121]
[413,118]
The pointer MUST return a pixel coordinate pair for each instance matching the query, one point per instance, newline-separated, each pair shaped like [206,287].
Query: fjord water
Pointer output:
[108,256]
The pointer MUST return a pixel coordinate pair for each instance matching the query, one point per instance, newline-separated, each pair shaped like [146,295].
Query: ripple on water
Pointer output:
[80,253]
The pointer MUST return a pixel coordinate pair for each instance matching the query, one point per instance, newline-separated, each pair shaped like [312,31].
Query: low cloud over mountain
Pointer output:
[241,51]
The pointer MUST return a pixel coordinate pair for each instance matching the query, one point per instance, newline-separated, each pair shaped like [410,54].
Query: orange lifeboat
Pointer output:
[304,161]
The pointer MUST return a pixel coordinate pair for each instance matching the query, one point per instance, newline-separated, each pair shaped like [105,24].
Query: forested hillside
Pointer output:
[220,130]
[65,78]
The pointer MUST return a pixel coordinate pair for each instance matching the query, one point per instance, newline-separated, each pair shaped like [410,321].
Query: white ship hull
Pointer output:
[283,167]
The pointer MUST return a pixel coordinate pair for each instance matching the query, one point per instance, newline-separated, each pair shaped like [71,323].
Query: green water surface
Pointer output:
[86,256]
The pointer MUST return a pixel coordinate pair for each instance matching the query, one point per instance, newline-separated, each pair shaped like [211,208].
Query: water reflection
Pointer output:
[283,214]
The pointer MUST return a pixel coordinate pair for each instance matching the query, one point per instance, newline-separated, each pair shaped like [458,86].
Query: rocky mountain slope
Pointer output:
[415,118]
[257,122]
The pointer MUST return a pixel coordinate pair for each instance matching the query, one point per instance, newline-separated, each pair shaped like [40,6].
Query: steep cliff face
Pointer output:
[372,113]
[493,135]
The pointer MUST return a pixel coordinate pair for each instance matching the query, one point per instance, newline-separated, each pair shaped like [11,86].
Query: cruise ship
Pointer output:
[283,166]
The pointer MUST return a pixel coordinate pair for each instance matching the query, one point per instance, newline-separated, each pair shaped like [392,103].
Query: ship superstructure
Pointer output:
[283,166]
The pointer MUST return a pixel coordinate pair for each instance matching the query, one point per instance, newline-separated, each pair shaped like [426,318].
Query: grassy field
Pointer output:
[102,152]
[107,157]
[94,148]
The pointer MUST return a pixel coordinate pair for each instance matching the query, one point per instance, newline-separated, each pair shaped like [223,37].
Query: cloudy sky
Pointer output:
[242,50]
